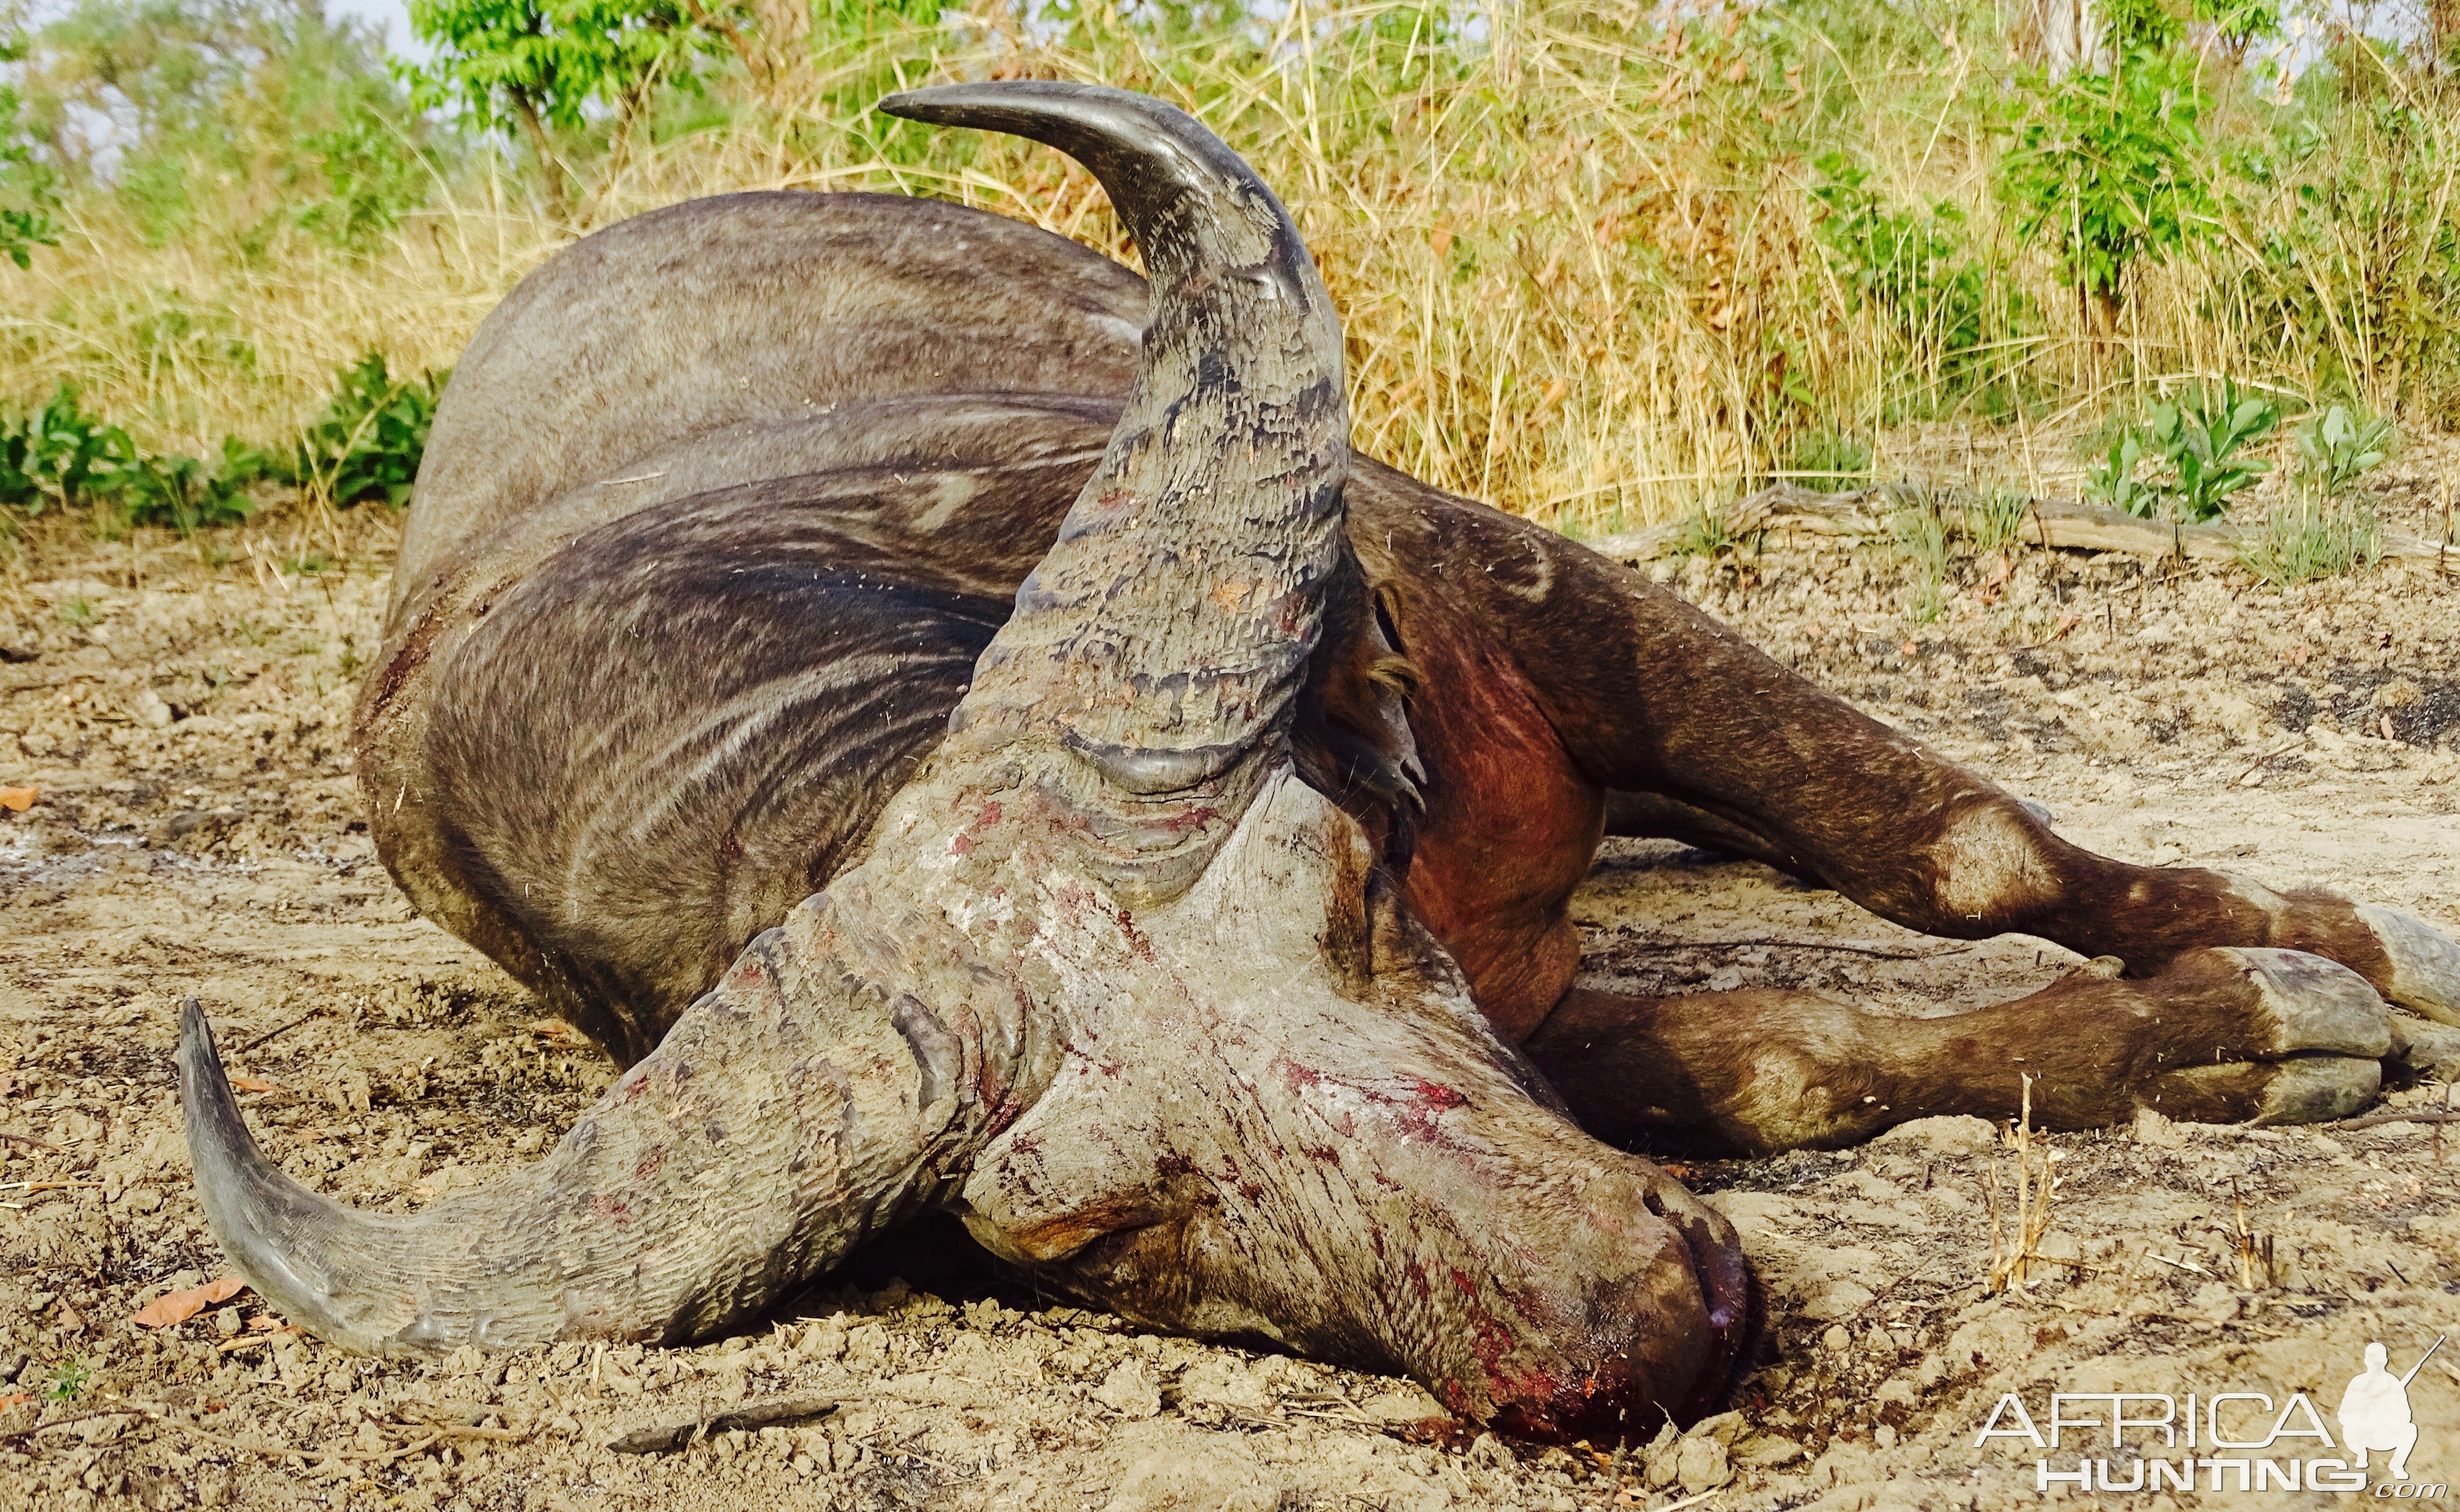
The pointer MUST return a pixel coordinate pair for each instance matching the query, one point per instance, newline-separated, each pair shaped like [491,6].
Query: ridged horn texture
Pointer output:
[1163,639]
[809,1100]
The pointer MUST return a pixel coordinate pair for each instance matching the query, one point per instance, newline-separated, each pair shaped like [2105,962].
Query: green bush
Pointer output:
[187,494]
[61,455]
[1912,264]
[2358,265]
[2107,168]
[367,443]
[366,446]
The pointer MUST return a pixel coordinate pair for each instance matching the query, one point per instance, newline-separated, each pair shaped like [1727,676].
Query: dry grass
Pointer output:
[1579,273]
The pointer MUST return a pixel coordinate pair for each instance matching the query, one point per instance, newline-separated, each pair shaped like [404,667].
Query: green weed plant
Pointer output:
[2339,446]
[367,443]
[2190,458]
[1919,528]
[1994,518]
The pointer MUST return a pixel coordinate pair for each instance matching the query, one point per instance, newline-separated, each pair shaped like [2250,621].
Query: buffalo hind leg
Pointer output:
[2217,1035]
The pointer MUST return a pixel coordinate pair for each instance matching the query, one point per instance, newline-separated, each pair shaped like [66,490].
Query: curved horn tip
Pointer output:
[204,1089]
[1142,149]
[972,103]
[249,1205]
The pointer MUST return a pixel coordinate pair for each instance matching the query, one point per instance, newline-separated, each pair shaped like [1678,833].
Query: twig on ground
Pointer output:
[163,1417]
[31,1187]
[663,1437]
[2376,1120]
[279,1452]
[2266,759]
[918,1455]
[470,1431]
[273,1034]
[28,1140]
[65,1423]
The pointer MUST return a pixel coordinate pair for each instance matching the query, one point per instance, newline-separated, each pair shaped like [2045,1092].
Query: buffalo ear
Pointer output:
[1353,740]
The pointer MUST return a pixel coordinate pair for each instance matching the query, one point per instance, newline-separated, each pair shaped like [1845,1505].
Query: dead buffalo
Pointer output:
[958,720]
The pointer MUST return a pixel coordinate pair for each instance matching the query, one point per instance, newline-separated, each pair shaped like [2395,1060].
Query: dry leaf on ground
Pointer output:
[181,1306]
[248,1083]
[17,800]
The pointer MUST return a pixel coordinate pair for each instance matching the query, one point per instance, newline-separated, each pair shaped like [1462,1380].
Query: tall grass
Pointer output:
[1589,264]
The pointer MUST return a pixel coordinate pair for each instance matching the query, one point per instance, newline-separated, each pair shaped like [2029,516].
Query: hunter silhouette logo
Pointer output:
[2374,1411]
[2242,1441]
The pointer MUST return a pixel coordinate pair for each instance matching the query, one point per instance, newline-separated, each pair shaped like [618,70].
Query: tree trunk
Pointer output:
[2060,36]
[561,187]
[2101,315]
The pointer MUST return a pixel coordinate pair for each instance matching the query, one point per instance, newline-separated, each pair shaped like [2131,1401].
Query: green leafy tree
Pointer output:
[2106,167]
[2105,171]
[528,65]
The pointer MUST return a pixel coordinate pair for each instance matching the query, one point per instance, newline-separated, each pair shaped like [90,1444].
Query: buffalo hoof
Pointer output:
[2312,1041]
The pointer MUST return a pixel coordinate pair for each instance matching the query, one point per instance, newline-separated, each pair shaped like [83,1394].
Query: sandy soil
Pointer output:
[181,710]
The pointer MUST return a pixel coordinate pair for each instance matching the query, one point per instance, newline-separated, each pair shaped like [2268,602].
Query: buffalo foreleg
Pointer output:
[2217,1035]
[1703,735]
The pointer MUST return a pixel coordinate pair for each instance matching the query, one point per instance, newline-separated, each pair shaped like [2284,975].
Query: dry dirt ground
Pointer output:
[181,708]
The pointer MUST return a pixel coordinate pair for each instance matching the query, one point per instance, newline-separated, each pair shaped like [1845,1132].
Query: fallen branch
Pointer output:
[377,1457]
[165,1417]
[468,1431]
[2266,759]
[2179,1265]
[662,1438]
[68,1422]
[1661,946]
[2062,524]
